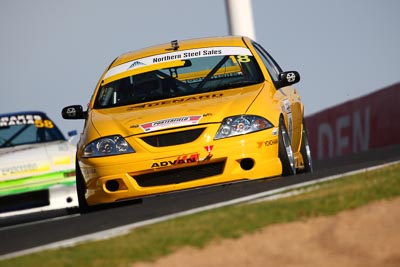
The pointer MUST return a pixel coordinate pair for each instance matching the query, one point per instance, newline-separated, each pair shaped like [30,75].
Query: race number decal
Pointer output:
[288,110]
[44,124]
[243,59]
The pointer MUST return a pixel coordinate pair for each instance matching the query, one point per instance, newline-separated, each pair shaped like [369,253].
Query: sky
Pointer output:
[53,52]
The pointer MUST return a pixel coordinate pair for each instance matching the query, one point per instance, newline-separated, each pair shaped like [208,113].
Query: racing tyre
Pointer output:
[285,151]
[81,190]
[306,152]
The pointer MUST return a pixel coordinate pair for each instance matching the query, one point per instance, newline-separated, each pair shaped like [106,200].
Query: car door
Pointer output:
[286,95]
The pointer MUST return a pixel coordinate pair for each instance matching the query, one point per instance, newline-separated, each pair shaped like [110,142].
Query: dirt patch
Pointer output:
[367,236]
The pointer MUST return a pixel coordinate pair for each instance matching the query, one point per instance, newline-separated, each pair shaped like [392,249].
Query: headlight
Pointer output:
[243,124]
[107,146]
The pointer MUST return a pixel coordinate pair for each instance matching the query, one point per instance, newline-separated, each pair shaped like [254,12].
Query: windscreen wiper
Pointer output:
[166,76]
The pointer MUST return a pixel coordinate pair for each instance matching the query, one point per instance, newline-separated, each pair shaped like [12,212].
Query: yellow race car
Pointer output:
[188,114]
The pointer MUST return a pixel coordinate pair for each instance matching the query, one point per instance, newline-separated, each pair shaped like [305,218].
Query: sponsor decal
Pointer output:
[288,110]
[286,106]
[267,143]
[215,77]
[19,120]
[24,169]
[171,122]
[271,142]
[71,112]
[290,77]
[209,155]
[180,160]
[135,64]
[209,149]
[177,101]
[62,160]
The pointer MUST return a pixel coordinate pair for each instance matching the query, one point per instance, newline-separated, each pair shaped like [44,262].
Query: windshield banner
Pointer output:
[178,55]
[12,120]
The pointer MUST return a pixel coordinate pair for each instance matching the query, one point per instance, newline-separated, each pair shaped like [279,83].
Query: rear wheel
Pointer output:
[285,151]
[81,190]
[306,152]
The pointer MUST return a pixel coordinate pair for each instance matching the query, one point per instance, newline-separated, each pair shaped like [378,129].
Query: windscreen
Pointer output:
[178,74]
[29,128]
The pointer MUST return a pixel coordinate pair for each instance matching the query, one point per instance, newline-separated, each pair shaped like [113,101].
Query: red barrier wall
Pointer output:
[359,125]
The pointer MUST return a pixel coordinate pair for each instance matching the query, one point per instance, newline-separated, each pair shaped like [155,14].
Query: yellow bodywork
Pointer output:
[202,161]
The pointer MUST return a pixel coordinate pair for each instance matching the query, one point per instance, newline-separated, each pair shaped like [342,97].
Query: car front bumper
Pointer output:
[129,176]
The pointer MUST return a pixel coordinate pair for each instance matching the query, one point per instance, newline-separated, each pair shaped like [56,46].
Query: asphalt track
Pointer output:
[34,230]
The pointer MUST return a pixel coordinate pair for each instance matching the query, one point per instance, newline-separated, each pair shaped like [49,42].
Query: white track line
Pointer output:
[118,231]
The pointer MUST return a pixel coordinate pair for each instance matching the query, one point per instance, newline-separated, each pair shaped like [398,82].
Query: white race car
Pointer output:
[34,158]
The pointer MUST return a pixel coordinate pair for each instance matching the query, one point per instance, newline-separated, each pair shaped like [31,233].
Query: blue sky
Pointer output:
[54,51]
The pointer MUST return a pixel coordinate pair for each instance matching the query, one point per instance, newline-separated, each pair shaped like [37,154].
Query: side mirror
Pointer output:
[74,112]
[288,78]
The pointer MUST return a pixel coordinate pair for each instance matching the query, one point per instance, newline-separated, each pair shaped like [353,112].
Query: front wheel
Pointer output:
[306,152]
[285,151]
[81,190]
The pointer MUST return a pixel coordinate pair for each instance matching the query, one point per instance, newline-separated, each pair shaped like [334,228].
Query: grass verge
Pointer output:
[150,242]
